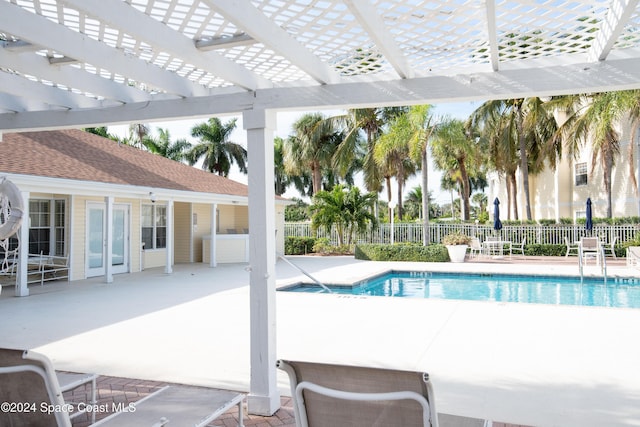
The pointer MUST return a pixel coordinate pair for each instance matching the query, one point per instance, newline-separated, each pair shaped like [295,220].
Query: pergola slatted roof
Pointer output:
[90,62]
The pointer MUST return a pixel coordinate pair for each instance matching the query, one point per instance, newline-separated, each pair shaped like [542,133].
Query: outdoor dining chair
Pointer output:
[519,248]
[571,247]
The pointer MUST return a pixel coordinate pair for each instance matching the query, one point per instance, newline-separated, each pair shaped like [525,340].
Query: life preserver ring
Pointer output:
[16,209]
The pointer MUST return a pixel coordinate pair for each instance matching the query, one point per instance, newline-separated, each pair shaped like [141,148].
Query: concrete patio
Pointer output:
[527,364]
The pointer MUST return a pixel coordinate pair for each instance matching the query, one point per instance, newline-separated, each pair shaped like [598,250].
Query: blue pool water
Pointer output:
[494,287]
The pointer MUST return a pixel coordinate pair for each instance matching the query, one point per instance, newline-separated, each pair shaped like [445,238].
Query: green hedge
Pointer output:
[401,252]
[299,245]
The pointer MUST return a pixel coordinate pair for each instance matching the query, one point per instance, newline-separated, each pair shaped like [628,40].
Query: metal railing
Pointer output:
[535,234]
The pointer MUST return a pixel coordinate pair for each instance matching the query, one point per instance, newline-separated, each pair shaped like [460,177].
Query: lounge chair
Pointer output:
[326,395]
[28,378]
[571,247]
[633,256]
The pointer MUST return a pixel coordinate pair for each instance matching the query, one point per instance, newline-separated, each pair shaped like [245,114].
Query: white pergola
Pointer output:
[79,63]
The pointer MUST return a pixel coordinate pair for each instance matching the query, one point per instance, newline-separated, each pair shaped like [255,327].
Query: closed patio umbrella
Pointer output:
[497,224]
[589,223]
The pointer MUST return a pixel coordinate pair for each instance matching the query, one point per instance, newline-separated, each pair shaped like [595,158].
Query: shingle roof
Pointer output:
[78,155]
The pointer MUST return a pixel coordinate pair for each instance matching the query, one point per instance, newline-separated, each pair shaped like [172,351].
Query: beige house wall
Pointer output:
[182,232]
[554,195]
[192,225]
[203,228]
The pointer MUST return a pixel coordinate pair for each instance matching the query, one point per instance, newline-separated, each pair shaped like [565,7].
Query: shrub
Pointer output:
[299,245]
[537,249]
[324,246]
[456,239]
[402,252]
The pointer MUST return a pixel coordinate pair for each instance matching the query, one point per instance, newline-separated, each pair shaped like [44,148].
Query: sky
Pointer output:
[182,129]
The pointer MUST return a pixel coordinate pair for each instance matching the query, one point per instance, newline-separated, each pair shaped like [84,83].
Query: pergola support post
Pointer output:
[264,398]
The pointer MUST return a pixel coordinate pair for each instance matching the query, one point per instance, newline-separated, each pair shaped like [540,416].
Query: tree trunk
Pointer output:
[514,194]
[426,239]
[466,189]
[524,165]
[607,182]
[388,182]
[316,175]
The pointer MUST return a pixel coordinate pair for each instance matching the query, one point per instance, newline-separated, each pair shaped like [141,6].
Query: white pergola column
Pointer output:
[264,398]
[168,267]
[108,263]
[23,250]
[212,242]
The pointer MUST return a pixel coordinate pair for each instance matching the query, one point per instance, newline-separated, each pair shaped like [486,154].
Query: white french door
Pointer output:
[97,239]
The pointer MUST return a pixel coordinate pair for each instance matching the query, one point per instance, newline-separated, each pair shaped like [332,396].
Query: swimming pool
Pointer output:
[493,287]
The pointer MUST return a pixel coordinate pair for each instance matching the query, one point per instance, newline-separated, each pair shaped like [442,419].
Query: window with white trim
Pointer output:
[581,173]
[154,226]
[47,227]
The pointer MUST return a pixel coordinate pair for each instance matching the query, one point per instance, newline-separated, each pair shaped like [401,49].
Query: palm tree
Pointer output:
[311,148]
[371,121]
[595,117]
[137,134]
[454,152]
[347,209]
[217,152]
[526,123]
[413,202]
[174,150]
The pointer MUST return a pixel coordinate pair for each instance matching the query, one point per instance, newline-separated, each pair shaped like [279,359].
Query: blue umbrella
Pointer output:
[497,224]
[589,223]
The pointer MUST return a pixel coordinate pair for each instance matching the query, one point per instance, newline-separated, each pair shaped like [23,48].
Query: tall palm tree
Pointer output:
[392,154]
[455,151]
[311,148]
[215,149]
[529,125]
[174,150]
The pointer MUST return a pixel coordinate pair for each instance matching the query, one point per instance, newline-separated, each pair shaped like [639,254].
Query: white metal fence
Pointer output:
[412,232]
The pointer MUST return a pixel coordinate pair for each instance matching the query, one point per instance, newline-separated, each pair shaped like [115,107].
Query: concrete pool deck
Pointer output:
[530,364]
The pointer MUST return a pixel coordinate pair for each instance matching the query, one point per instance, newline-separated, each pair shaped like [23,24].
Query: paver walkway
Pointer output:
[124,390]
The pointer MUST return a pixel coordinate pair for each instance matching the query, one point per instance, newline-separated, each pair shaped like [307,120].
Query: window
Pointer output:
[47,228]
[154,226]
[581,174]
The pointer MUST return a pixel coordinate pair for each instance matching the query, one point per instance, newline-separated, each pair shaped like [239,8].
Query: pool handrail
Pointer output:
[316,281]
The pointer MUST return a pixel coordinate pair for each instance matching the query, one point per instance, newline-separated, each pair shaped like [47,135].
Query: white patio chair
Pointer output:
[610,249]
[590,248]
[571,247]
[519,248]
[475,247]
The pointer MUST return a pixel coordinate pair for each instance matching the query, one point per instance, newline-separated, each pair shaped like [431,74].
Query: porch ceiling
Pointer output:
[92,62]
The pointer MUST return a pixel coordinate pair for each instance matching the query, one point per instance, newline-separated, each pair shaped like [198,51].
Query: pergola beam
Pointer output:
[43,32]
[165,39]
[492,34]
[371,21]
[614,74]
[36,65]
[20,86]
[244,15]
[617,17]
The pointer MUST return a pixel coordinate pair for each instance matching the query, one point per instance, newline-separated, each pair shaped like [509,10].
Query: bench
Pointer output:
[43,268]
